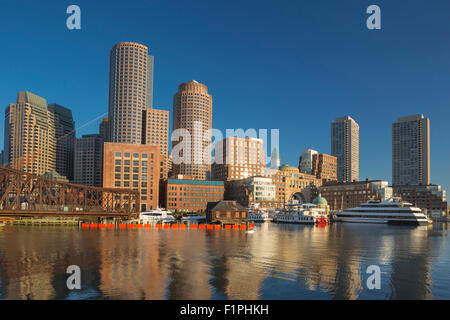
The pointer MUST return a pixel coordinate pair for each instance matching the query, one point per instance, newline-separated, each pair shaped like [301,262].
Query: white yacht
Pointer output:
[155,215]
[390,211]
[302,213]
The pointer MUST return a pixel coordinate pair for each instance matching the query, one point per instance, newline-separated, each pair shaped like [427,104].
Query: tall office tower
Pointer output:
[30,143]
[275,161]
[156,132]
[103,129]
[305,163]
[238,158]
[89,160]
[130,91]
[192,111]
[411,151]
[65,140]
[345,147]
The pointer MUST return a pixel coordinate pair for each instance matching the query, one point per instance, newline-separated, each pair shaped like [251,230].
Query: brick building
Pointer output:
[188,195]
[431,198]
[133,166]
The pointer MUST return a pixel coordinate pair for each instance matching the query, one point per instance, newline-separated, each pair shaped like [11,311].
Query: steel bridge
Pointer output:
[26,194]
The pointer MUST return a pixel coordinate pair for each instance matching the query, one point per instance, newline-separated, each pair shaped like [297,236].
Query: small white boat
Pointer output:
[193,217]
[256,214]
[155,215]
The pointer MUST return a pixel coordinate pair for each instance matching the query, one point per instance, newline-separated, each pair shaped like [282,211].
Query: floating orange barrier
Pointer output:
[243,227]
[227,226]
[110,226]
[194,226]
[182,226]
[102,225]
[158,226]
[147,226]
[94,226]
[217,226]
[209,227]
[122,226]
[130,226]
[85,225]
[174,226]
[201,226]
[235,226]
[166,226]
[138,226]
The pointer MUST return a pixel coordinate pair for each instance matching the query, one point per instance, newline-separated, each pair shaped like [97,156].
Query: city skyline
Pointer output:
[375,124]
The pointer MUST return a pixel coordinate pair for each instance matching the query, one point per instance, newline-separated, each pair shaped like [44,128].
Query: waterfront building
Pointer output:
[430,198]
[238,158]
[30,141]
[305,163]
[411,151]
[192,111]
[345,147]
[133,166]
[54,175]
[254,191]
[324,167]
[89,160]
[65,140]
[188,195]
[226,212]
[130,91]
[103,129]
[345,195]
[156,132]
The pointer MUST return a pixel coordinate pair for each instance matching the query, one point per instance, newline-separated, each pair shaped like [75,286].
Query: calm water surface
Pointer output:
[275,262]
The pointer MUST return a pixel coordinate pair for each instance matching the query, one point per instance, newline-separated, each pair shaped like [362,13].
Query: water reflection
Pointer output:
[275,262]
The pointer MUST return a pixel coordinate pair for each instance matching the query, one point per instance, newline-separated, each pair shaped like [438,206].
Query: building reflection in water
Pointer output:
[277,261]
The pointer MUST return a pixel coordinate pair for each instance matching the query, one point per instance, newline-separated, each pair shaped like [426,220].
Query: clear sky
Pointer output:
[290,65]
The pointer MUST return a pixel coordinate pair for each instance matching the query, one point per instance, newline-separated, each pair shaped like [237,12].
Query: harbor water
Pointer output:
[277,261]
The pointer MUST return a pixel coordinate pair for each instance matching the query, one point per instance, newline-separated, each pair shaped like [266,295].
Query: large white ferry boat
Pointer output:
[390,211]
[155,215]
[302,213]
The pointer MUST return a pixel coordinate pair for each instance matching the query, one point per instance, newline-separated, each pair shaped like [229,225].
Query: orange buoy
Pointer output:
[209,226]
[122,226]
[175,226]
[217,226]
[201,226]
[138,226]
[85,225]
[110,226]
[235,227]
[147,226]
[194,226]
[182,226]
[94,226]
[166,226]
[102,225]
[243,227]
[130,226]
[158,226]
[227,226]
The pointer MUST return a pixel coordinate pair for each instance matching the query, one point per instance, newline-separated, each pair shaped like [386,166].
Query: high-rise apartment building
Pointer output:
[65,140]
[411,151]
[30,142]
[130,91]
[89,160]
[305,163]
[192,111]
[133,166]
[345,147]
[156,132]
[238,158]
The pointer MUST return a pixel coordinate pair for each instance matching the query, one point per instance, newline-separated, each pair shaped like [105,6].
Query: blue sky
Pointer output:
[290,65]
